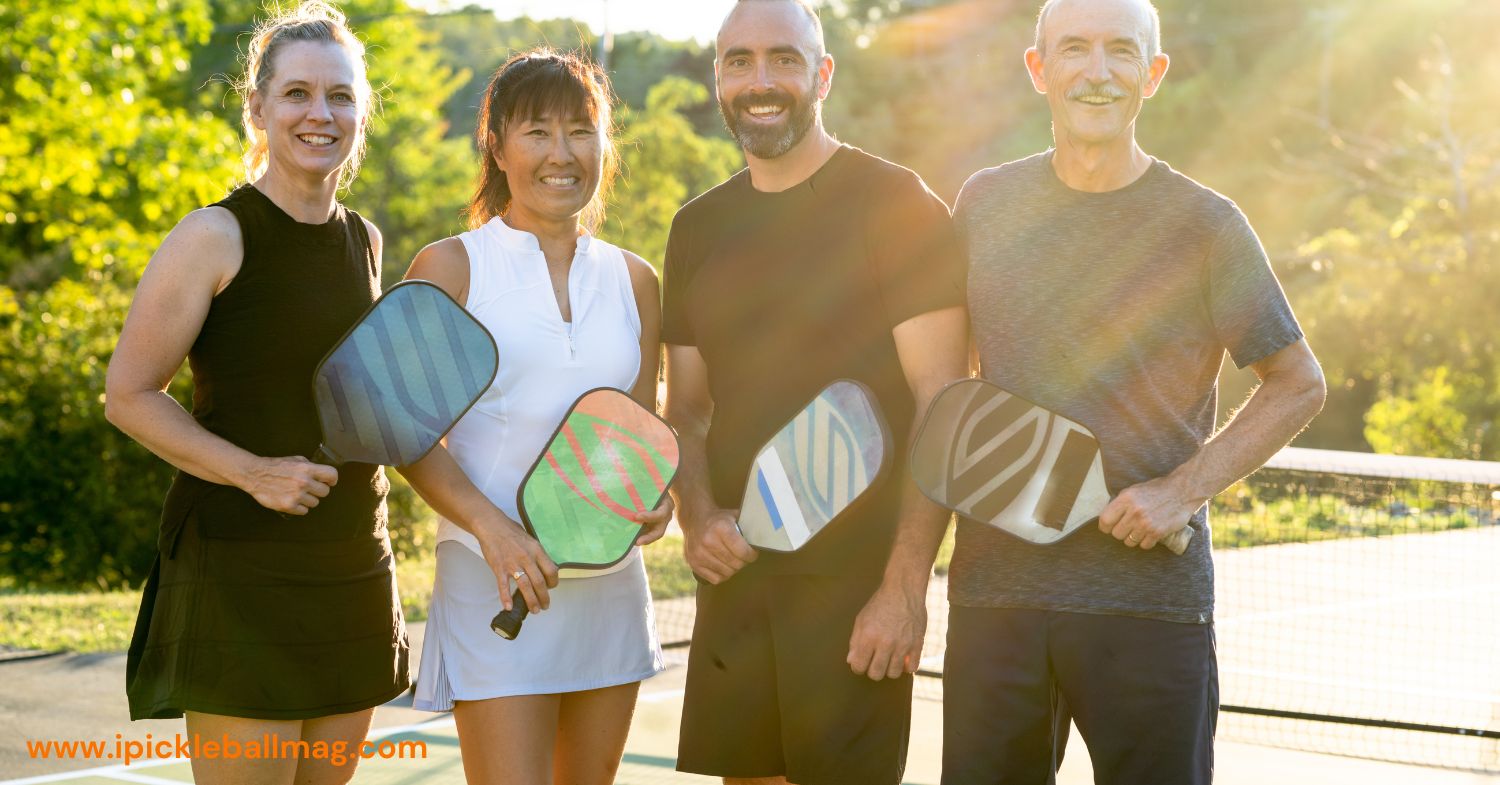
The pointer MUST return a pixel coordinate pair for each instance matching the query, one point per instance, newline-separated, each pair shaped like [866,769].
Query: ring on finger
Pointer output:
[518,575]
[1132,540]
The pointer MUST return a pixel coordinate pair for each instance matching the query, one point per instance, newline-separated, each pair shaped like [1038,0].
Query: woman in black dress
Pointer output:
[271,609]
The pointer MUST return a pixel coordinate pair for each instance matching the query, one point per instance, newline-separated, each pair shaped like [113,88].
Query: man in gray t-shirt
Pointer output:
[1107,287]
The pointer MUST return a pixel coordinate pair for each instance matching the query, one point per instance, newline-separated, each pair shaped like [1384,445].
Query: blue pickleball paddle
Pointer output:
[401,377]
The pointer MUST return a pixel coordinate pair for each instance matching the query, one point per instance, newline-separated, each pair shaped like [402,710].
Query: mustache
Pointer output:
[1097,91]
[778,97]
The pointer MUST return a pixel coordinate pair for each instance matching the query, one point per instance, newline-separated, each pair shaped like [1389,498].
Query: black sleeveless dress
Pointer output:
[247,613]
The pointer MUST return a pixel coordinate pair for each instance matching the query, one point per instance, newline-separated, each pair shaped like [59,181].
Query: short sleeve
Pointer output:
[1250,313]
[914,251]
[677,267]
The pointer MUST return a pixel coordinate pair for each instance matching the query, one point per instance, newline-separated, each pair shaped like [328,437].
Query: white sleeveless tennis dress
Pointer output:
[599,630]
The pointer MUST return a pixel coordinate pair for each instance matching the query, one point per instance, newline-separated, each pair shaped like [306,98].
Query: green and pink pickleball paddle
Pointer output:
[609,459]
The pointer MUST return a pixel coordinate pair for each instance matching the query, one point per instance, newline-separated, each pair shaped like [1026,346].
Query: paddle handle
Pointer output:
[1177,542]
[507,624]
[325,457]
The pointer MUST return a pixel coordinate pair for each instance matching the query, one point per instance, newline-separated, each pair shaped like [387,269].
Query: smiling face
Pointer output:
[311,109]
[771,75]
[553,163]
[1096,67]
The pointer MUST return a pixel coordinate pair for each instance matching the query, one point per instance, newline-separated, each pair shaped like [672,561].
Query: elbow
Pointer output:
[117,409]
[112,407]
[1314,392]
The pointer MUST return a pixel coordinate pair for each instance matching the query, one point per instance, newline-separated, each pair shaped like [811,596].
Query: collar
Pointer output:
[518,240]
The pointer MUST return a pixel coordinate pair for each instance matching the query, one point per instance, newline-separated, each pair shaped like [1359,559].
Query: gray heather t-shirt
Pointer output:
[1114,309]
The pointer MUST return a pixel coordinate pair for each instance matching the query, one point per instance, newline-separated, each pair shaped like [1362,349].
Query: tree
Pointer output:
[96,164]
[1429,420]
[664,164]
[1398,295]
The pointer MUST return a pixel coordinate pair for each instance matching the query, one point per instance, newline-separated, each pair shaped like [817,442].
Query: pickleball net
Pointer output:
[1357,609]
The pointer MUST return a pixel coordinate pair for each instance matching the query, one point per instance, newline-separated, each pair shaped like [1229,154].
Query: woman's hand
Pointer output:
[291,486]
[654,522]
[516,558]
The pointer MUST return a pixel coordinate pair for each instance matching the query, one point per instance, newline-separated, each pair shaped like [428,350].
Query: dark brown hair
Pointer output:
[533,84]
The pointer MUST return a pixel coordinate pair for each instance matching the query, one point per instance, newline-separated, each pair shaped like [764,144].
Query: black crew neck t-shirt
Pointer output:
[782,293]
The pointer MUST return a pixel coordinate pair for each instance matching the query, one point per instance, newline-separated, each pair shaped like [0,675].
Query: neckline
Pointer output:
[809,184]
[328,232]
[518,239]
[1056,181]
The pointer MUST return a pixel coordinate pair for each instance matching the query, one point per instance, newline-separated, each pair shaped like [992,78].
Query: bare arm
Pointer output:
[1290,394]
[195,262]
[887,638]
[441,482]
[713,546]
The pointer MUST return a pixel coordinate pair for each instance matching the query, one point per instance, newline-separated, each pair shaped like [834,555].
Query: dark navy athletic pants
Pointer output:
[1143,693]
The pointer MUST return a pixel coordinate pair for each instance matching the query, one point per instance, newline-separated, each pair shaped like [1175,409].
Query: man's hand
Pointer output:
[888,633]
[714,547]
[1142,515]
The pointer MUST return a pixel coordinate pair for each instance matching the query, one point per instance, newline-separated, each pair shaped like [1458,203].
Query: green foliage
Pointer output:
[93,162]
[416,179]
[1427,420]
[79,501]
[669,575]
[95,166]
[664,164]
[55,621]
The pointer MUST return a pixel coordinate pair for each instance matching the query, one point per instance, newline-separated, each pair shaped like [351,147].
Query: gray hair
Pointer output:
[1153,35]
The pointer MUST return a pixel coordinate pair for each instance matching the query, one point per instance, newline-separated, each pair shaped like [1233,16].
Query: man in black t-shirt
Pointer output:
[817,262]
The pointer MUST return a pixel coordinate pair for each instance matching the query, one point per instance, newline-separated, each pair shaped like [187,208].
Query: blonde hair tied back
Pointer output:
[310,20]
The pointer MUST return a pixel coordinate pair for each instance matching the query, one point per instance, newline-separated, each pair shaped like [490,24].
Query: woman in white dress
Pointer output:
[569,312]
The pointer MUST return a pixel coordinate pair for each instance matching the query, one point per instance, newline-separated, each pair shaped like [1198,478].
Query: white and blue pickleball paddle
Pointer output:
[815,467]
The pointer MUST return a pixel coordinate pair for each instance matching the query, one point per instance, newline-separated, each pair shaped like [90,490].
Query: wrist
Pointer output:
[492,523]
[241,472]
[1185,487]
[906,580]
[694,516]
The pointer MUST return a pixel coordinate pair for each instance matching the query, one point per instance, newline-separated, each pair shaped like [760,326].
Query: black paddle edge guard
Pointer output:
[318,370]
[507,623]
[882,473]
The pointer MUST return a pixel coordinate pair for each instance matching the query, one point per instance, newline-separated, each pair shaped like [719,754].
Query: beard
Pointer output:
[770,141]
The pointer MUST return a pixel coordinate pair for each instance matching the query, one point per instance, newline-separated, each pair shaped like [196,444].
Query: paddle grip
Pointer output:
[326,458]
[507,624]
[1177,542]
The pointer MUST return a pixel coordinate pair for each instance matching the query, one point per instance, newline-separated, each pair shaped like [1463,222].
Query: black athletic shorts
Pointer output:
[769,692]
[1143,693]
